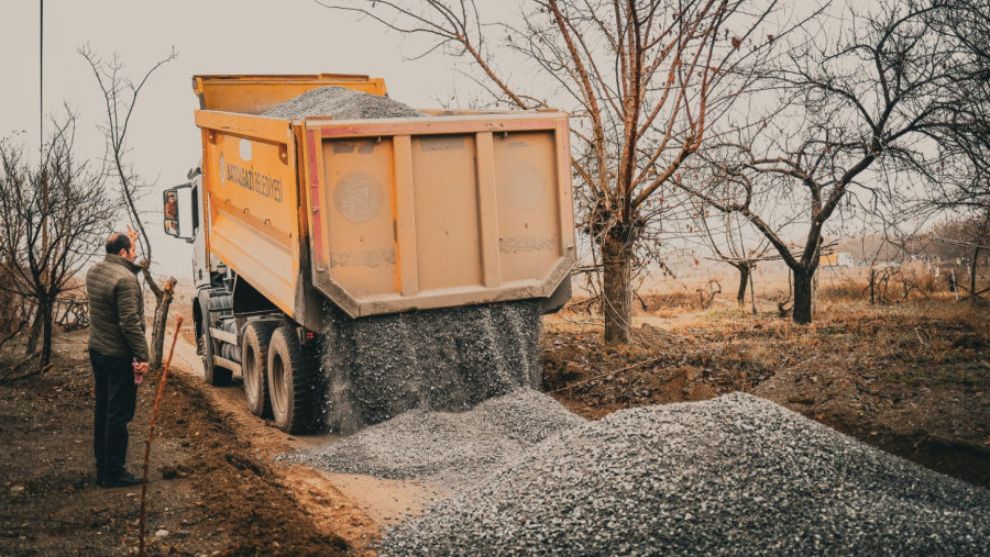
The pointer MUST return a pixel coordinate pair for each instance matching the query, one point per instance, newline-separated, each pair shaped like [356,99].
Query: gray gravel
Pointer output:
[341,104]
[450,449]
[737,475]
[447,359]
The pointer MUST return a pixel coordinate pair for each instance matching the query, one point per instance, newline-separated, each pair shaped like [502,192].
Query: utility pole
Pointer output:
[41,76]
[45,176]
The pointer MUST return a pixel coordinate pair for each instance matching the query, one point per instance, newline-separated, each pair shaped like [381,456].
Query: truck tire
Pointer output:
[293,383]
[212,302]
[254,366]
[214,375]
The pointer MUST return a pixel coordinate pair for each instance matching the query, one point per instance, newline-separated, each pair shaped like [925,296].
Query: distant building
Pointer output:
[840,259]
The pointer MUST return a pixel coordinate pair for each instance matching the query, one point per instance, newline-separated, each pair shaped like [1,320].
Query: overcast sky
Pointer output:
[212,37]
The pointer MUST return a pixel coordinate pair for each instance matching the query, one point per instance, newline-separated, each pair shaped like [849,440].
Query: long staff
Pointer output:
[151,430]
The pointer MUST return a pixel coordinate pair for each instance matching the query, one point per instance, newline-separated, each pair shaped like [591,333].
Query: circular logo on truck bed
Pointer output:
[526,186]
[358,196]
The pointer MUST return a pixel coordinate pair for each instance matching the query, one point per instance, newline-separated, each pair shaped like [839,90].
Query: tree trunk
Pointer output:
[47,309]
[743,281]
[35,333]
[159,323]
[804,293]
[873,286]
[752,294]
[972,274]
[617,297]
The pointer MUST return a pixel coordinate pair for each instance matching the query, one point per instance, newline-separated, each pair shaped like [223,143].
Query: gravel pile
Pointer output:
[736,475]
[448,359]
[342,104]
[452,449]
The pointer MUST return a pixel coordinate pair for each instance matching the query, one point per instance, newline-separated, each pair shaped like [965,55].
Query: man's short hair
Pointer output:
[118,241]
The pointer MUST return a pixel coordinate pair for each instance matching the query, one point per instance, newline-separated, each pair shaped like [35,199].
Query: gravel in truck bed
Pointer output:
[451,448]
[341,104]
[736,475]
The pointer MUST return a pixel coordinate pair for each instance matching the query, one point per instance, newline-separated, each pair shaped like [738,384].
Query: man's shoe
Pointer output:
[124,480]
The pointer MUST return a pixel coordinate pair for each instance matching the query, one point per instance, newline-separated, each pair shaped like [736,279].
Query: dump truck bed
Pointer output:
[384,216]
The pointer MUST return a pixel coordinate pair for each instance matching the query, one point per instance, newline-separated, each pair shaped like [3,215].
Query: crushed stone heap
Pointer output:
[737,475]
[341,104]
[450,448]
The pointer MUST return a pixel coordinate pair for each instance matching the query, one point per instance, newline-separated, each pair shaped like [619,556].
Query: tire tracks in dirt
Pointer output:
[355,508]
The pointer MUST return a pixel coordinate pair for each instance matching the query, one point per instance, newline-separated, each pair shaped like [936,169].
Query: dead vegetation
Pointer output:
[912,378]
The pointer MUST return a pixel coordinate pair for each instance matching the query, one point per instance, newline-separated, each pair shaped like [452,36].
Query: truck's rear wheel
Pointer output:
[293,383]
[213,374]
[254,366]
[210,302]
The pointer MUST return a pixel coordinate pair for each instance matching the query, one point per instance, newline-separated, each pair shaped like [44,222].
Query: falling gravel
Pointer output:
[378,367]
[341,104]
[451,449]
[737,475]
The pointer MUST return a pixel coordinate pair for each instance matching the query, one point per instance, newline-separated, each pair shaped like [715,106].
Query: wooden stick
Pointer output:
[151,431]
[640,363]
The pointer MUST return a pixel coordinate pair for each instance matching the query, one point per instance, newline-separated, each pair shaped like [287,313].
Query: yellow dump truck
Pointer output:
[305,230]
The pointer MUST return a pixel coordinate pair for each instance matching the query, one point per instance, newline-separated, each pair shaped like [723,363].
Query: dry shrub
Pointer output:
[691,300]
[914,280]
[849,288]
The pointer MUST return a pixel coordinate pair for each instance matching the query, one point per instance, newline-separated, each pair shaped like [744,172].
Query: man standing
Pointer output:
[119,354]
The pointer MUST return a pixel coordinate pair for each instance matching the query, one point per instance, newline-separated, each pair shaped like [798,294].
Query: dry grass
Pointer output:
[902,376]
[911,281]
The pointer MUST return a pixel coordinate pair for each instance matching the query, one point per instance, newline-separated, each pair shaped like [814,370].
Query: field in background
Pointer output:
[910,375]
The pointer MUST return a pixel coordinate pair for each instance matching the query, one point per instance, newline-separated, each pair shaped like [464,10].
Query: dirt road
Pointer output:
[353,507]
[209,494]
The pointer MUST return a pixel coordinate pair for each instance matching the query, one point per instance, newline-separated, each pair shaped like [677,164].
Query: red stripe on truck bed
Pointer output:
[314,194]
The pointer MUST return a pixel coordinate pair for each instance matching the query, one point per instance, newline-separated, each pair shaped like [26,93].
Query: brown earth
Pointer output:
[207,489]
[356,508]
[912,379]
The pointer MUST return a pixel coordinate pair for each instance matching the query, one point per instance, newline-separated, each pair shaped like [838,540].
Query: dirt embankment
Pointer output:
[912,379]
[208,494]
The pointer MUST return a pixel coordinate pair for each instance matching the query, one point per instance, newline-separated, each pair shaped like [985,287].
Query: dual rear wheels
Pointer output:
[281,377]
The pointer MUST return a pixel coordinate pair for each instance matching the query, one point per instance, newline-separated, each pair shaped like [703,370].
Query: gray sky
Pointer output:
[211,36]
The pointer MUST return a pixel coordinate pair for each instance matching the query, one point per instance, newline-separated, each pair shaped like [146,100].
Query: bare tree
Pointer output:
[854,126]
[120,95]
[966,239]
[52,217]
[643,81]
[965,139]
[727,239]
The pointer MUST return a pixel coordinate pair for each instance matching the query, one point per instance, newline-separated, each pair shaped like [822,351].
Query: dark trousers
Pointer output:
[116,395]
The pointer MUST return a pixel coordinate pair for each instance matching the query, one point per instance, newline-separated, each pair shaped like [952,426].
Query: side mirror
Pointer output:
[178,212]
